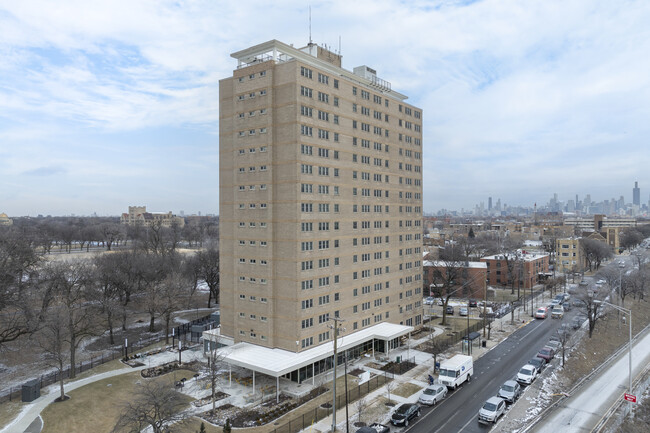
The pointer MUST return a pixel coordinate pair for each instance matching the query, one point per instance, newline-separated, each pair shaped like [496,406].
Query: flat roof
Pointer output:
[460,264]
[288,53]
[278,362]
[528,257]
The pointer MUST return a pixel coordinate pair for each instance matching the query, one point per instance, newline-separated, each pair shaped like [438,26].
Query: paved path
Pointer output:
[32,411]
[582,411]
[29,421]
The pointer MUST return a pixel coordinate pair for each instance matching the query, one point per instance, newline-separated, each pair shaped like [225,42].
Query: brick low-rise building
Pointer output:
[523,269]
[471,283]
[570,257]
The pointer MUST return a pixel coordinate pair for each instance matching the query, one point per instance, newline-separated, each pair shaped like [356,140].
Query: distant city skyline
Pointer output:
[109,104]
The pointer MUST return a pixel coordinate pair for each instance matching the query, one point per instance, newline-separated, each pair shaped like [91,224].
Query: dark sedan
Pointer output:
[405,413]
[538,363]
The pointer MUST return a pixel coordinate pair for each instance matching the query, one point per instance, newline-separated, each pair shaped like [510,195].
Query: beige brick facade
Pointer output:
[320,199]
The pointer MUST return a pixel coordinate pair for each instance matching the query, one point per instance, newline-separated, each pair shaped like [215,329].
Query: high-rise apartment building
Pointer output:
[320,201]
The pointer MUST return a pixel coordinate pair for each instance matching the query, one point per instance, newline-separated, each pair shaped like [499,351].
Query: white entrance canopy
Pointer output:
[278,362]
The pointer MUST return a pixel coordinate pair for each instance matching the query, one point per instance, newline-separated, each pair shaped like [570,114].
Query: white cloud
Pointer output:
[519,98]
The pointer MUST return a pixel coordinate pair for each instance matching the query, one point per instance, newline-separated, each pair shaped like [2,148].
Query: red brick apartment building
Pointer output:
[528,266]
[472,277]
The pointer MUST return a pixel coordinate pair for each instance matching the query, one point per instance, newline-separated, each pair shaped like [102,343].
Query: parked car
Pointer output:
[577,322]
[450,310]
[554,344]
[557,312]
[559,298]
[404,413]
[541,313]
[492,409]
[432,394]
[462,311]
[578,303]
[527,374]
[538,363]
[567,297]
[546,353]
[509,391]
[473,303]
[601,281]
[429,300]
[584,283]
[374,428]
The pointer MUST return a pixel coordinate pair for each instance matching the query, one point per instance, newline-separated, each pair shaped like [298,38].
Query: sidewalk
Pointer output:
[31,412]
[501,329]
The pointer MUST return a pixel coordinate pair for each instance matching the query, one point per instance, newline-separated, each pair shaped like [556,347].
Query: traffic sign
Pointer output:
[630,397]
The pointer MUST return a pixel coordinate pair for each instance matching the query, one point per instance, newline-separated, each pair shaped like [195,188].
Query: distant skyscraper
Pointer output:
[489,203]
[636,194]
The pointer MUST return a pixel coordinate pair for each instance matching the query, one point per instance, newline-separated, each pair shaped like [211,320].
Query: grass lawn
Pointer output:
[9,410]
[96,407]
[407,389]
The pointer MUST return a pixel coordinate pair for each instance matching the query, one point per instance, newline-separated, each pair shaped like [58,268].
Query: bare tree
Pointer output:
[155,404]
[631,238]
[628,285]
[448,275]
[107,288]
[71,284]
[612,276]
[23,299]
[110,233]
[208,271]
[595,252]
[173,291]
[54,341]
[436,346]
[361,405]
[212,371]
[563,336]
[389,385]
[590,307]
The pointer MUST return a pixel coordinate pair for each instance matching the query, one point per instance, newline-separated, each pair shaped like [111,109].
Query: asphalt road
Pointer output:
[459,411]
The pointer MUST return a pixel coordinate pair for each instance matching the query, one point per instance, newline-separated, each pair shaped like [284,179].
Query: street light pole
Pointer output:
[627,311]
[336,337]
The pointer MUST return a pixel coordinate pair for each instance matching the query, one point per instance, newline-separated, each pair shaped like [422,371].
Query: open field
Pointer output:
[97,406]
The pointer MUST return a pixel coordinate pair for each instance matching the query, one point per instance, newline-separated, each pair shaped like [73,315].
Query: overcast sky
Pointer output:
[106,104]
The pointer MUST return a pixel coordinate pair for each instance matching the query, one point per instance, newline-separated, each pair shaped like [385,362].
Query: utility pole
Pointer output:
[335,327]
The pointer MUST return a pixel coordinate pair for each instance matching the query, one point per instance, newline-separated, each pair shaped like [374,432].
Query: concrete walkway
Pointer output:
[29,421]
[418,375]
[31,412]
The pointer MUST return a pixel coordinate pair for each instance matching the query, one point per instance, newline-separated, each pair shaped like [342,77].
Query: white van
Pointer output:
[456,370]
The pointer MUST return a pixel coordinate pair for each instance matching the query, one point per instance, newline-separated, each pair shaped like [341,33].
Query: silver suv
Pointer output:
[509,391]
[492,409]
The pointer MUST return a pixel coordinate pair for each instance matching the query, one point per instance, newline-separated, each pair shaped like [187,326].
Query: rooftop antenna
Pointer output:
[310,25]
[339,45]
